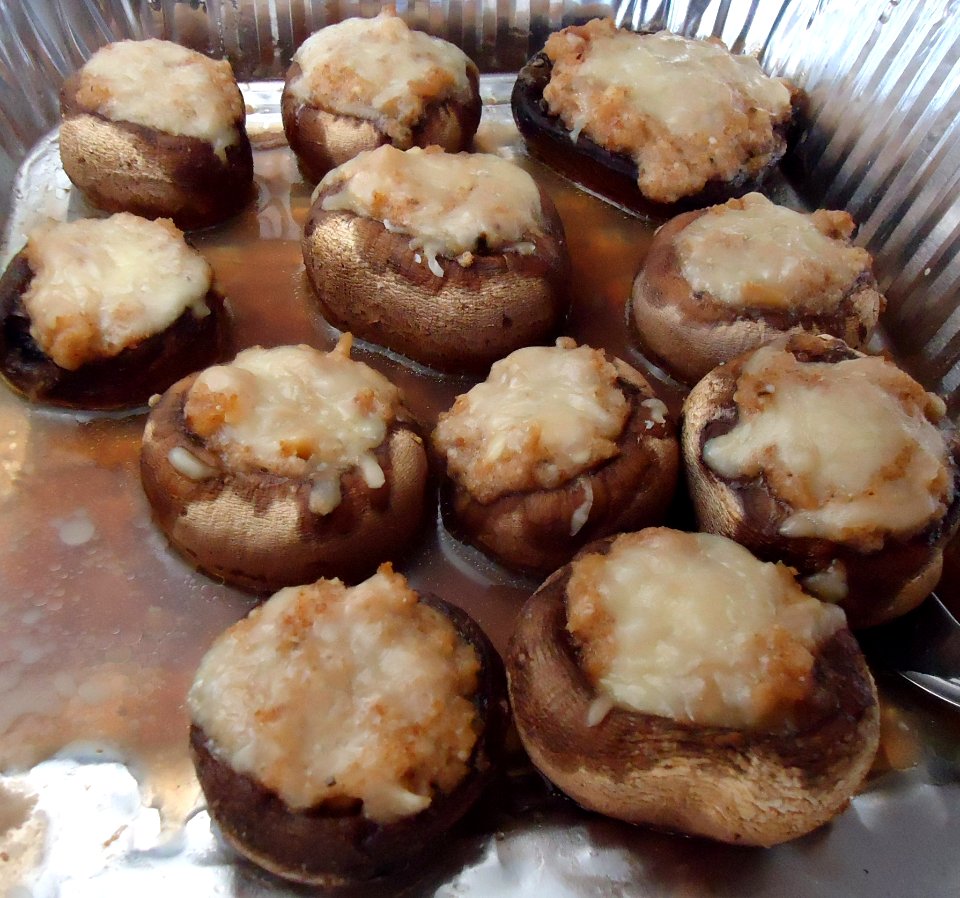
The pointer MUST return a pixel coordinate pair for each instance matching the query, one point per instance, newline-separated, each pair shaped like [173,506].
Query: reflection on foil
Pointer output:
[82,827]
[51,195]
[76,530]
[274,171]
[549,861]
[88,830]
[14,436]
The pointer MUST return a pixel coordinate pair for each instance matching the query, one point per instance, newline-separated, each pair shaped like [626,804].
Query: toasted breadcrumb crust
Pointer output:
[331,694]
[746,654]
[543,416]
[673,160]
[380,70]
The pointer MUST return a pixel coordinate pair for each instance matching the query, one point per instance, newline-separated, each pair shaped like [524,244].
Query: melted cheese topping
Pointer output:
[297,412]
[381,71]
[687,111]
[544,415]
[161,85]
[850,447]
[753,253]
[100,286]
[333,694]
[693,627]
[451,205]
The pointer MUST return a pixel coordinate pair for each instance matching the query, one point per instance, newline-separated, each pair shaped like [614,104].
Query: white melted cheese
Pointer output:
[297,412]
[448,203]
[848,446]
[161,85]
[695,628]
[100,286]
[543,415]
[379,70]
[753,253]
[683,85]
[686,110]
[330,693]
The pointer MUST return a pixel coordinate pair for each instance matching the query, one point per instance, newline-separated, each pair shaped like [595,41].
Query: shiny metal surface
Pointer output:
[114,809]
[923,647]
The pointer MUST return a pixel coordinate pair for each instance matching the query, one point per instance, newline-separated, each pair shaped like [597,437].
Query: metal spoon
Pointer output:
[923,647]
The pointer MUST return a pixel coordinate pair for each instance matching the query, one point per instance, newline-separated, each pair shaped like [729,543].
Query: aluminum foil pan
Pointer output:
[103,626]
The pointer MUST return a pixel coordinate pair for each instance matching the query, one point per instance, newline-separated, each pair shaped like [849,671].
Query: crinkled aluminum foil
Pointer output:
[882,80]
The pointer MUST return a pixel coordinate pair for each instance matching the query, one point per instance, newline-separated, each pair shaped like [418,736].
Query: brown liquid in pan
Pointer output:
[102,624]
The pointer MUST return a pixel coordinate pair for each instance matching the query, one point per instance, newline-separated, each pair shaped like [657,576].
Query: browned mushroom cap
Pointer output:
[322,139]
[336,846]
[367,281]
[532,531]
[739,786]
[880,584]
[125,380]
[689,333]
[125,167]
[255,529]
[612,174]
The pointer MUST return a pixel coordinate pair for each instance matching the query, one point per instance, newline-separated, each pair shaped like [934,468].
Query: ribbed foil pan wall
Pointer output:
[882,78]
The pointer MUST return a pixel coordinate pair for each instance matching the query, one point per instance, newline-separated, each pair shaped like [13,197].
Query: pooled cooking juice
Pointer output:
[104,624]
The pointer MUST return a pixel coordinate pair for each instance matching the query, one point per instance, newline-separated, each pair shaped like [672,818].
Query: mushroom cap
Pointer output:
[612,174]
[125,380]
[738,786]
[255,529]
[322,139]
[367,281]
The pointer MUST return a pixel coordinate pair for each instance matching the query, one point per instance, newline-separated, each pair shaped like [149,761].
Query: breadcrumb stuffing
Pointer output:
[329,694]
[687,112]
[543,416]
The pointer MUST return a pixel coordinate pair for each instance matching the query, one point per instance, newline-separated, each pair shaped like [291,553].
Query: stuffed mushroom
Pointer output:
[154,128]
[652,120]
[673,680]
[718,282]
[836,463]
[558,446]
[285,465]
[103,313]
[453,260]
[362,83]
[339,732]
